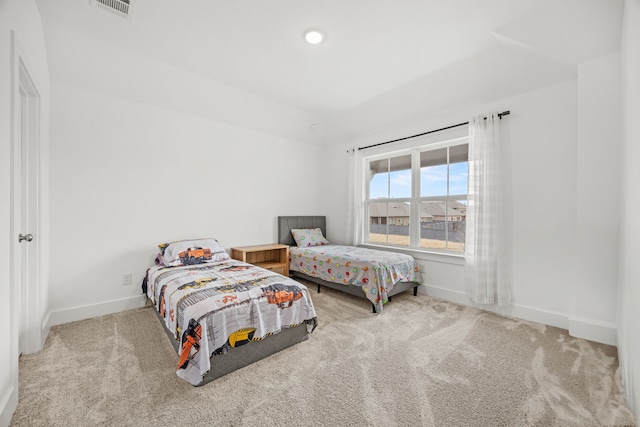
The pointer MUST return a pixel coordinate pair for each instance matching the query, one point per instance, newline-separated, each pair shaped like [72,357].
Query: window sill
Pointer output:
[421,254]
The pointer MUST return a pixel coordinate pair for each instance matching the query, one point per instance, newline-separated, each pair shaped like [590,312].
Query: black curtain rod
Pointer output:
[504,113]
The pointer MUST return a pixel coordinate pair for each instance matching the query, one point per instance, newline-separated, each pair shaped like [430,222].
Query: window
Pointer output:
[418,198]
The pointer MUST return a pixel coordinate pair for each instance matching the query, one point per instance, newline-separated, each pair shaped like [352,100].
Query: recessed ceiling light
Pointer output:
[313,36]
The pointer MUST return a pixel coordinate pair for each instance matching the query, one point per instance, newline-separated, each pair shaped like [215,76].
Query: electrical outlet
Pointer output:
[126,279]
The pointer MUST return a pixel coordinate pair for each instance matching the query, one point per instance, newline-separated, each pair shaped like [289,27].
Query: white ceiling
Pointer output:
[375,51]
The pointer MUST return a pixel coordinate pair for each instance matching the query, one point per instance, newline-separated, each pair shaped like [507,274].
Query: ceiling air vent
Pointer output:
[121,7]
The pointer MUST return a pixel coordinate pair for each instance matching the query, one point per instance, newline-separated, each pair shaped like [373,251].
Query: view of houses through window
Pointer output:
[419,199]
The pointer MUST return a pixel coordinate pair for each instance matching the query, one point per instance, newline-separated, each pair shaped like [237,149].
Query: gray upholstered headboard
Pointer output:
[286,223]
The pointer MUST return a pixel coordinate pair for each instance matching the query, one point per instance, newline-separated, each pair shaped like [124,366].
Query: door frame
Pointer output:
[26,328]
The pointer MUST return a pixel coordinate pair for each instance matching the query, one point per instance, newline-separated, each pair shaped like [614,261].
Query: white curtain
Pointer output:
[355,196]
[487,269]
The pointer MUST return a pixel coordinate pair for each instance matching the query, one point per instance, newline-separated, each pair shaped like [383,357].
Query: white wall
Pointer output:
[23,18]
[598,197]
[551,167]
[126,176]
[629,284]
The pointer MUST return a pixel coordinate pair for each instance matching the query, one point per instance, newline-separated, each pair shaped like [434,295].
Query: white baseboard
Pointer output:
[44,330]
[626,373]
[8,405]
[88,311]
[592,330]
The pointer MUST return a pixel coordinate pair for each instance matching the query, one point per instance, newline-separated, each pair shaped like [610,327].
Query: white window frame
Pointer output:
[414,149]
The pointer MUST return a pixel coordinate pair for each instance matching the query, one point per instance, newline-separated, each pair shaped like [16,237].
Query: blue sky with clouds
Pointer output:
[433,182]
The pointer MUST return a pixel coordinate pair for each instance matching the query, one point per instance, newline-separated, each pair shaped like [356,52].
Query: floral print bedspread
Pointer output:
[376,272]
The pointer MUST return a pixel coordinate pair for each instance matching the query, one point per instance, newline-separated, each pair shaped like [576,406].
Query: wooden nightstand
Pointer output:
[274,257]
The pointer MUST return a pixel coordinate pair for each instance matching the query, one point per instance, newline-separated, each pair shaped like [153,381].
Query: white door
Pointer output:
[24,236]
[26,189]
[17,215]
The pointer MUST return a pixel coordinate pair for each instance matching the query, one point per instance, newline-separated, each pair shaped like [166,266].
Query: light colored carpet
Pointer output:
[422,362]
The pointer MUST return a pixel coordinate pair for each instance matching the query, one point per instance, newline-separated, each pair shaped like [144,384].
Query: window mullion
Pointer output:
[388,197]
[414,219]
[446,202]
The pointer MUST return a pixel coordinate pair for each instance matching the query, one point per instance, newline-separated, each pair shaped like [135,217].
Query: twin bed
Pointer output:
[222,314]
[372,274]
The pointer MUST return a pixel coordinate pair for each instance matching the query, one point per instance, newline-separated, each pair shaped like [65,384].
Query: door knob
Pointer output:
[28,238]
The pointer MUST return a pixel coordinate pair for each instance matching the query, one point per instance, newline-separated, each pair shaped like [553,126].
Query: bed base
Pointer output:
[239,357]
[355,290]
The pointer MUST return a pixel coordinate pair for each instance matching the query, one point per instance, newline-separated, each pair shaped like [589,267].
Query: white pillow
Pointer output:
[187,252]
[306,237]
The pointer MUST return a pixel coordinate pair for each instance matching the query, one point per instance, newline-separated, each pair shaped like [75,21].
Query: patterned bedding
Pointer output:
[211,307]
[376,272]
